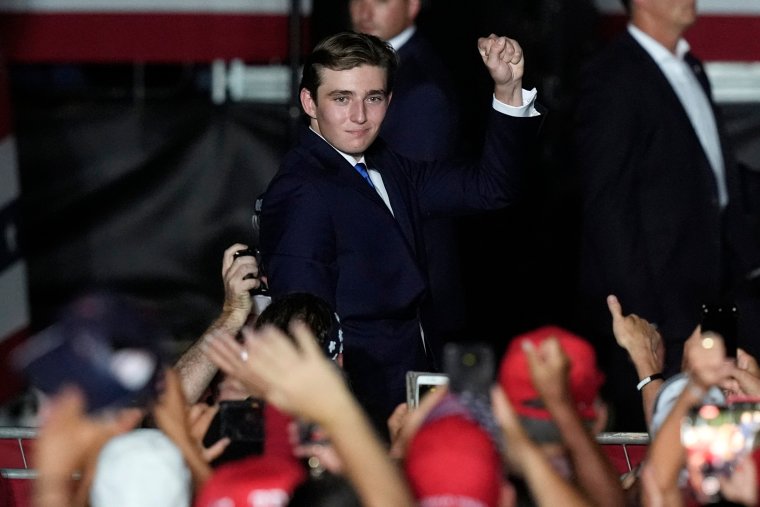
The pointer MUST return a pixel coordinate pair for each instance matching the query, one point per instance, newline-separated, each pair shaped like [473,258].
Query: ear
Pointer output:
[413,8]
[308,104]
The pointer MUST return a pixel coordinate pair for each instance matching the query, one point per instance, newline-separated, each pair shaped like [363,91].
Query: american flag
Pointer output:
[14,306]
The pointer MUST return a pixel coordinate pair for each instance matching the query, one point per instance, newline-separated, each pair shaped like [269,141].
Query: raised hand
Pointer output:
[241,275]
[638,337]
[504,59]
[549,369]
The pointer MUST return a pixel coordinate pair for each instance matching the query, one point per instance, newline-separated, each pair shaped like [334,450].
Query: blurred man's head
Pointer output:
[584,377]
[660,17]
[383,18]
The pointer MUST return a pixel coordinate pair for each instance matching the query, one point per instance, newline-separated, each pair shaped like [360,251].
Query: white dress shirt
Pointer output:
[693,99]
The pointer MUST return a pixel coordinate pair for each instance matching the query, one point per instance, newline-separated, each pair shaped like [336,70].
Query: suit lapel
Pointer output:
[399,203]
[335,166]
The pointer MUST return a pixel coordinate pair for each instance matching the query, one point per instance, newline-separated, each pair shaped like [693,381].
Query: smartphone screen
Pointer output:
[419,383]
[722,319]
[716,437]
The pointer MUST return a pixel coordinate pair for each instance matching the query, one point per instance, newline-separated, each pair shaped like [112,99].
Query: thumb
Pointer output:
[614,306]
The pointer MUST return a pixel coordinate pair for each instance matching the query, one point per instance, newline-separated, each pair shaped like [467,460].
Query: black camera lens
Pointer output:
[244,252]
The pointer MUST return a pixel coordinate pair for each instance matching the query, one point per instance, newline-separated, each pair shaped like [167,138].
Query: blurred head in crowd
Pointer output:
[259,481]
[585,380]
[325,490]
[104,345]
[383,18]
[313,311]
[141,468]
[453,461]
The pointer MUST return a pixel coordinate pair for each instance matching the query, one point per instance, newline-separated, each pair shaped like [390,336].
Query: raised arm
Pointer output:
[645,349]
[240,275]
[546,485]
[549,370]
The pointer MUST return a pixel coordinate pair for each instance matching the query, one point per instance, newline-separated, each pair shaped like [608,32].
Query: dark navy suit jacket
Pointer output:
[325,231]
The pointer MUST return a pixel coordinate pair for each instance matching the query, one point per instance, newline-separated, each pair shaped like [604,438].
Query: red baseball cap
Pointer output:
[452,462]
[585,378]
[259,481]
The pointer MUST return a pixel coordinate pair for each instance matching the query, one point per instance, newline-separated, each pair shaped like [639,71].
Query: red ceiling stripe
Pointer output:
[143,37]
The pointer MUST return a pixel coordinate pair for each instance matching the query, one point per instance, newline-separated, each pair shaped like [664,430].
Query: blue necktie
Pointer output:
[362,169]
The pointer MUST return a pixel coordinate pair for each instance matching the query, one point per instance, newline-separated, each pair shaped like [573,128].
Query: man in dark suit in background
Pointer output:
[422,123]
[342,217]
[663,224]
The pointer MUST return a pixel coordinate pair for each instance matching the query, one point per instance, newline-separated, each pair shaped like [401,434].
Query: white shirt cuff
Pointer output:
[528,108]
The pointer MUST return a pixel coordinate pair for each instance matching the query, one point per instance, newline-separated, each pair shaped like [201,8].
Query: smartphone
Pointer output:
[716,437]
[722,319]
[419,383]
[470,367]
[242,420]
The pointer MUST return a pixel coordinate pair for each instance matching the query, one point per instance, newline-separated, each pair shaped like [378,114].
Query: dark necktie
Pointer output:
[362,169]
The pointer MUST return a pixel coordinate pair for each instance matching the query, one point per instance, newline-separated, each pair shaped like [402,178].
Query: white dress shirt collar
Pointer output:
[657,51]
[402,38]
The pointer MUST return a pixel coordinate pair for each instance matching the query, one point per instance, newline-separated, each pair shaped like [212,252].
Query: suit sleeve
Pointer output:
[298,243]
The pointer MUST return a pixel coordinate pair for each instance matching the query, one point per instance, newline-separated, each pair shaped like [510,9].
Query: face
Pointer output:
[675,14]
[383,18]
[349,108]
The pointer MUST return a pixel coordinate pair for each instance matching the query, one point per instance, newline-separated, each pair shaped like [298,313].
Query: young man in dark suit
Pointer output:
[422,123]
[352,235]
[663,224]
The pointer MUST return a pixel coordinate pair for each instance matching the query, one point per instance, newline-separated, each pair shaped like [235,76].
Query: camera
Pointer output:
[242,420]
[419,383]
[470,367]
[262,290]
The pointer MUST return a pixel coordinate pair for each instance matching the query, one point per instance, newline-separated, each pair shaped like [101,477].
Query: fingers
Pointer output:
[216,450]
[396,419]
[229,256]
[305,338]
[494,49]
[503,410]
[243,274]
[200,418]
[414,419]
